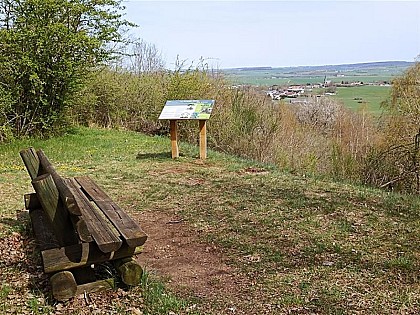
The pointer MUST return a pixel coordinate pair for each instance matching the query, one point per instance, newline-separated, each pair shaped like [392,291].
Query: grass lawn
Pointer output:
[307,246]
[366,97]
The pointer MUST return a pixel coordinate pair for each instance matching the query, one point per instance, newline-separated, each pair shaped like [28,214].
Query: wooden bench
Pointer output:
[77,227]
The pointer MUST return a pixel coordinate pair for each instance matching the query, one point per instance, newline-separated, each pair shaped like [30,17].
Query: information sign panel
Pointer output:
[187,109]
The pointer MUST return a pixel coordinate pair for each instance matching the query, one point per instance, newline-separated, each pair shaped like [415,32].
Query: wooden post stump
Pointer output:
[63,285]
[129,270]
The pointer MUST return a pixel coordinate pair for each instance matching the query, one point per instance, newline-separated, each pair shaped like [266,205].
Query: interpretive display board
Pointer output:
[187,109]
[200,110]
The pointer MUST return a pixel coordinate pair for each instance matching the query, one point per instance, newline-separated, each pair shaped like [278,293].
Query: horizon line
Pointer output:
[319,65]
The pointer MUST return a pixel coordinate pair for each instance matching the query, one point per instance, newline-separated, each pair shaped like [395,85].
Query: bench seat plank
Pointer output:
[129,229]
[102,230]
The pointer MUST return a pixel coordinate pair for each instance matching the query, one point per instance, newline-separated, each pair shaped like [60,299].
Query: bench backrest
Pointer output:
[48,194]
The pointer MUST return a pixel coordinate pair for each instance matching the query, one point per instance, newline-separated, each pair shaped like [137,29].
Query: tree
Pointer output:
[397,163]
[47,48]
[404,104]
[145,58]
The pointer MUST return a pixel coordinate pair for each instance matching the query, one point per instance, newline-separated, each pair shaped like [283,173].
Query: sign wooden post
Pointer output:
[200,110]
[203,139]
[174,139]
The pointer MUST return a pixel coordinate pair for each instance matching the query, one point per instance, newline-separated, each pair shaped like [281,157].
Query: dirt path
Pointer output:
[173,251]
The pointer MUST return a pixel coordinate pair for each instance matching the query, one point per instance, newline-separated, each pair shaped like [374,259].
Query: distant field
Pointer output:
[268,79]
[368,97]
[364,72]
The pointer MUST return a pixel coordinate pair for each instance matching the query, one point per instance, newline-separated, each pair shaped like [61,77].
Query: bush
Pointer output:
[46,50]
[395,161]
[6,104]
[120,99]
[244,123]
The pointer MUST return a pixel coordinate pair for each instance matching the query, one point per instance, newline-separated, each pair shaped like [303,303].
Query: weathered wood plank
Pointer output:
[84,254]
[129,229]
[31,161]
[97,286]
[48,196]
[43,230]
[63,285]
[102,230]
[66,195]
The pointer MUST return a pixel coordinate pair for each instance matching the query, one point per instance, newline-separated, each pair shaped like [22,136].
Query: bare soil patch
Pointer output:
[174,252]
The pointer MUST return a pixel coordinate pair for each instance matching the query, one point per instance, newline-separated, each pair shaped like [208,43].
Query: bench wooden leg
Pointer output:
[129,270]
[63,285]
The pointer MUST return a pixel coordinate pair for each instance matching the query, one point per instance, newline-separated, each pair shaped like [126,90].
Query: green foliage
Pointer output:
[47,48]
[403,107]
[405,95]
[121,99]
[395,162]
[6,102]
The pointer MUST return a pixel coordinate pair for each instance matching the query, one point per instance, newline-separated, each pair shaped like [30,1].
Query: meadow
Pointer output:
[292,244]
[367,97]
[283,213]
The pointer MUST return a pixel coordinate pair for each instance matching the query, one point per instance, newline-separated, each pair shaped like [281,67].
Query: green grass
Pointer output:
[307,245]
[157,298]
[364,97]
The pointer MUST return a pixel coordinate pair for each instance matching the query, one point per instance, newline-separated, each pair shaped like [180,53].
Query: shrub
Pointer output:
[395,161]
[46,49]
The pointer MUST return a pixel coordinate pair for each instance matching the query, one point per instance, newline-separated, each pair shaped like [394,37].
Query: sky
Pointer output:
[232,34]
